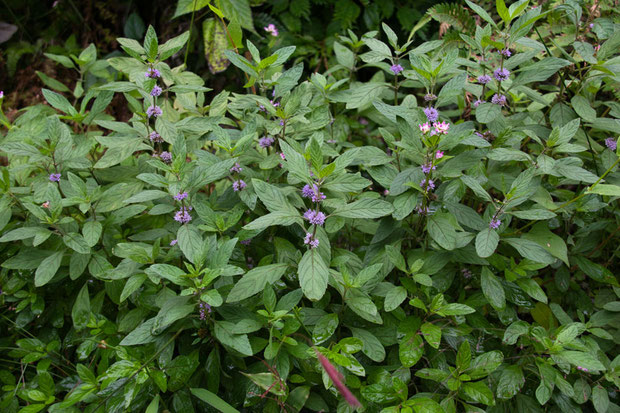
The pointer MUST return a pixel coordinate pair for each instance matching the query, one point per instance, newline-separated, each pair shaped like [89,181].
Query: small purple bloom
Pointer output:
[246,241]
[311,241]
[495,223]
[582,369]
[429,186]
[152,73]
[484,79]
[498,100]
[441,127]
[275,104]
[466,273]
[55,177]
[173,242]
[505,52]
[424,127]
[591,26]
[427,167]
[439,154]
[166,156]
[204,309]
[282,123]
[183,215]
[153,110]
[180,196]
[282,155]
[429,97]
[396,69]
[156,91]
[611,143]
[155,137]
[262,108]
[501,74]
[478,103]
[236,168]
[422,210]
[1,94]
[313,193]
[239,185]
[271,29]
[266,141]
[363,121]
[307,191]
[431,114]
[315,217]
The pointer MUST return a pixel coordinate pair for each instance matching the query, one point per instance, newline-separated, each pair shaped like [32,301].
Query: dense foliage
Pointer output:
[428,227]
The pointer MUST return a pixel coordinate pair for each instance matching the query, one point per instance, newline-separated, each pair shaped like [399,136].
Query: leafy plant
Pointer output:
[437,236]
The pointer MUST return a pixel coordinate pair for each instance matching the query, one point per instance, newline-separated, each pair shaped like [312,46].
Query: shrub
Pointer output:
[439,238]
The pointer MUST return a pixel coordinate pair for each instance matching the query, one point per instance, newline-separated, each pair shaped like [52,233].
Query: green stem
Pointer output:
[191,26]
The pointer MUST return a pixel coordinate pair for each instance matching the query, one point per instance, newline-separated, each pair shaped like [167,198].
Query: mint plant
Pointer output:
[421,228]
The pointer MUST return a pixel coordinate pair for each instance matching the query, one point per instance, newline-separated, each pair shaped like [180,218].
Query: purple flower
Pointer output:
[439,154]
[505,52]
[180,196]
[396,69]
[236,168]
[478,103]
[431,114]
[501,74]
[275,104]
[307,191]
[422,210]
[173,242]
[582,369]
[153,110]
[152,73]
[429,97]
[282,155]
[238,185]
[466,273]
[55,177]
[166,156]
[246,241]
[1,94]
[271,29]
[282,122]
[315,217]
[155,137]
[183,215]
[429,186]
[262,108]
[498,100]
[591,26]
[427,167]
[495,223]
[313,193]
[611,143]
[266,141]
[484,79]
[156,91]
[204,309]
[424,127]
[311,241]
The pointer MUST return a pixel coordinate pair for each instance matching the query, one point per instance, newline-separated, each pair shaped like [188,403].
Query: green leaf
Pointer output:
[173,45]
[190,242]
[531,250]
[410,350]
[600,399]
[486,242]
[92,231]
[432,334]
[213,400]
[238,342]
[478,392]
[175,308]
[59,102]
[514,331]
[364,208]
[372,347]
[81,309]
[463,356]
[532,289]
[324,328]
[582,359]
[488,112]
[313,275]
[47,269]
[502,11]
[605,189]
[254,281]
[150,43]
[394,298]
[492,289]
[510,382]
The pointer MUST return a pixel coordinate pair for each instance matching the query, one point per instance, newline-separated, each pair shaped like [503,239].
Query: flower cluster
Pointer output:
[427,184]
[239,185]
[311,240]
[396,69]
[174,242]
[498,100]
[505,52]
[152,73]
[313,193]
[156,91]
[182,215]
[153,111]
[55,177]
[155,137]
[266,141]
[484,79]
[440,128]
[501,74]
[1,94]
[204,309]
[466,273]
[271,29]
[495,223]
[180,196]
[166,156]
[236,168]
[611,143]
[429,97]
[315,217]
[582,369]
[431,114]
